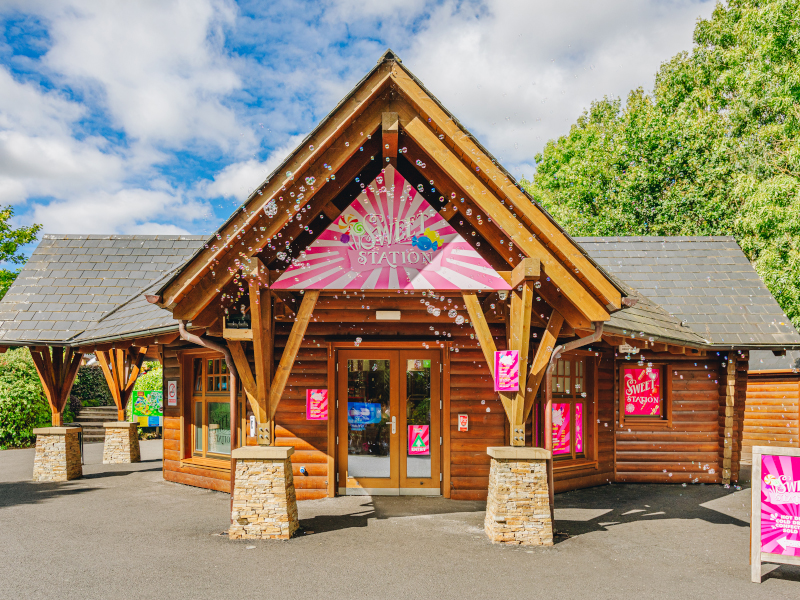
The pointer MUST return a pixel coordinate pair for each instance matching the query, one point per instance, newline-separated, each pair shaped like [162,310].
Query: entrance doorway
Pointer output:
[389,422]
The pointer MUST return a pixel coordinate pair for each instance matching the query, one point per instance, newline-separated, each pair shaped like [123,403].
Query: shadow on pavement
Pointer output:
[30,492]
[594,509]
[355,511]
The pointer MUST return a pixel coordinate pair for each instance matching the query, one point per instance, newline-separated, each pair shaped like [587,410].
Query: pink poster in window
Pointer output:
[780,505]
[578,428]
[561,429]
[642,392]
[317,405]
[506,371]
[419,440]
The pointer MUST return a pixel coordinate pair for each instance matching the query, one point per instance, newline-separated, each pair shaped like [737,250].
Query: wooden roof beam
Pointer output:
[197,294]
[321,149]
[390,130]
[485,198]
[532,215]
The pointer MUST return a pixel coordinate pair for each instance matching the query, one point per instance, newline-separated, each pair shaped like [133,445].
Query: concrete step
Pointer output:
[95,418]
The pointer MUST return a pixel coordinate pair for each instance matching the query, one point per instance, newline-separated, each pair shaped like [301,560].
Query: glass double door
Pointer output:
[389,422]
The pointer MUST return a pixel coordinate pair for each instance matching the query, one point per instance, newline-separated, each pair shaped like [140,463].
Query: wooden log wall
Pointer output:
[737,429]
[691,450]
[472,393]
[772,412]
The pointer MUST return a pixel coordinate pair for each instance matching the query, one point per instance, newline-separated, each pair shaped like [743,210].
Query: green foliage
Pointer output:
[90,389]
[10,241]
[22,402]
[714,150]
[150,379]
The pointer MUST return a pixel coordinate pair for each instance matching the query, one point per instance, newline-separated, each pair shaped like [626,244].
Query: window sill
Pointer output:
[574,465]
[645,424]
[215,464]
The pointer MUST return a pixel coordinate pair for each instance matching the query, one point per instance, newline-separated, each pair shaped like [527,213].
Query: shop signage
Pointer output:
[775,522]
[317,405]
[561,418]
[419,440]
[463,422]
[172,393]
[642,392]
[361,414]
[390,238]
[148,408]
[506,371]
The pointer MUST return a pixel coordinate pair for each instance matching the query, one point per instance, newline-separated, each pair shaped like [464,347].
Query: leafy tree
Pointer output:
[713,150]
[10,241]
[23,406]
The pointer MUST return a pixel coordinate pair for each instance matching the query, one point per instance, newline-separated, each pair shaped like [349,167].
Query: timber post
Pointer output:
[58,453]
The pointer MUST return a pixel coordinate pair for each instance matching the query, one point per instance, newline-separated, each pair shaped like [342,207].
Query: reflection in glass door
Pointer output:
[369,418]
[420,407]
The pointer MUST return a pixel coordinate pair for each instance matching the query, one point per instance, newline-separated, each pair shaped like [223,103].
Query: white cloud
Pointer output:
[519,72]
[125,211]
[135,90]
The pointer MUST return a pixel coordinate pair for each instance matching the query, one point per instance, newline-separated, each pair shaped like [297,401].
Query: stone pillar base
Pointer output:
[518,506]
[122,443]
[264,502]
[58,454]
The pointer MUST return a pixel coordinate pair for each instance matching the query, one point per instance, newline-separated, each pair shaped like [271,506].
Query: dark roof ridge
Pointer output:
[114,236]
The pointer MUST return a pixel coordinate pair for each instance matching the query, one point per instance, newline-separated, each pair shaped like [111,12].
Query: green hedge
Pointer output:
[23,405]
[90,389]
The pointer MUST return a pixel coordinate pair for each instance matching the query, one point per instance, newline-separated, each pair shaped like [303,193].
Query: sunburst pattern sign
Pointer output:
[390,238]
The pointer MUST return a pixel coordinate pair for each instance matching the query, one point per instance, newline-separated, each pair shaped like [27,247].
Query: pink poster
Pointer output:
[390,238]
[561,419]
[578,428]
[419,440]
[642,392]
[780,505]
[506,371]
[317,405]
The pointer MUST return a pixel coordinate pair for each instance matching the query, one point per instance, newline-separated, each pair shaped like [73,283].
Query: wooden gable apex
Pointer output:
[362,128]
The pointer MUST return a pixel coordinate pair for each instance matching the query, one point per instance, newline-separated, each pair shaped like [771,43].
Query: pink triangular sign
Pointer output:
[390,238]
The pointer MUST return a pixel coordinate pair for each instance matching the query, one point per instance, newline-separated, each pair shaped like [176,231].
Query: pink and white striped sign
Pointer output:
[390,238]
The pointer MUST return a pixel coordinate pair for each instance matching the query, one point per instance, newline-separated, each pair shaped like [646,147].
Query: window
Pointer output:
[644,391]
[569,408]
[211,408]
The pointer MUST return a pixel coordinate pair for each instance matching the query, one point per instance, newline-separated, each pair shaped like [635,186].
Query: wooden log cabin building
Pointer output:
[383,264]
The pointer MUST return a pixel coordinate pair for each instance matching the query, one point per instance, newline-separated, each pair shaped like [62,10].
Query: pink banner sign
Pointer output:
[561,420]
[780,504]
[390,238]
[506,371]
[419,440]
[578,428]
[317,405]
[642,392]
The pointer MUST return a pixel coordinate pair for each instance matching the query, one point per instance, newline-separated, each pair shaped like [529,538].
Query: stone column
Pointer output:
[264,502]
[518,506]
[58,454]
[122,443]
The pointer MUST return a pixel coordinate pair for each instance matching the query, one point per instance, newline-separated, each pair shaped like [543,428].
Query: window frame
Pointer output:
[588,458]
[646,422]
[204,398]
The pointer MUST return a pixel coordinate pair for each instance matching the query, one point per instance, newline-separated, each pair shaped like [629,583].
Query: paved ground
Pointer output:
[122,531]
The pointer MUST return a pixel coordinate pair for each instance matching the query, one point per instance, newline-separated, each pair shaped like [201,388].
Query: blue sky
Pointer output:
[161,116]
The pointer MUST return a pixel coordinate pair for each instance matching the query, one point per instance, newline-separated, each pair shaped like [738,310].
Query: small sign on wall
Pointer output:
[317,405]
[775,523]
[506,371]
[172,393]
[463,422]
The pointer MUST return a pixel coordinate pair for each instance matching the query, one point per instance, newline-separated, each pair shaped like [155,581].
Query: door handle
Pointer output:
[394,425]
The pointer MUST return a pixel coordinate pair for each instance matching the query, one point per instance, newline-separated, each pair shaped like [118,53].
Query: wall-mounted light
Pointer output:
[503,294]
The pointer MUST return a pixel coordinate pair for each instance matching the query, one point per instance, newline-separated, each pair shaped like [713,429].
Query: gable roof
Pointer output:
[324,151]
[706,281]
[71,282]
